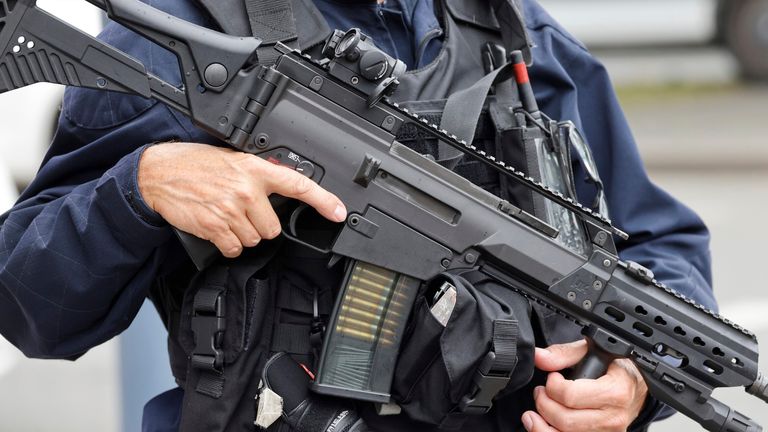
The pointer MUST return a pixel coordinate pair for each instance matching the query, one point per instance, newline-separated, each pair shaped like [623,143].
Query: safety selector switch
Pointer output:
[285,157]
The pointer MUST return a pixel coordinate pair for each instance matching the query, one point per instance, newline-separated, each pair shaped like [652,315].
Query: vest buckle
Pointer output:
[208,325]
[486,384]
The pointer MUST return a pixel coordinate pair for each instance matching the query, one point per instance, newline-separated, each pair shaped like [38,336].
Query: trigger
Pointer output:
[295,214]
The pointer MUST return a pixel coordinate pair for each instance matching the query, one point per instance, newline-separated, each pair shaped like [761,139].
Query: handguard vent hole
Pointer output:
[679,330]
[718,352]
[643,329]
[713,367]
[670,356]
[660,320]
[641,310]
[615,314]
[698,341]
[737,362]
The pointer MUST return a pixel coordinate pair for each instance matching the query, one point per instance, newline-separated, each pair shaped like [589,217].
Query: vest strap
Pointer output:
[491,376]
[272,21]
[462,111]
[208,325]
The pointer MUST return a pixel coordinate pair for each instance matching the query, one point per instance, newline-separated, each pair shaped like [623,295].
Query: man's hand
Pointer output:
[222,195]
[609,403]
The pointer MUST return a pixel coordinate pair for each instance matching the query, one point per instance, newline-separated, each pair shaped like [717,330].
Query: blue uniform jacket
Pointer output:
[81,249]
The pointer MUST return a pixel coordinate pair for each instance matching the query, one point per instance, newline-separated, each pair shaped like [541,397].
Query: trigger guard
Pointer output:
[291,233]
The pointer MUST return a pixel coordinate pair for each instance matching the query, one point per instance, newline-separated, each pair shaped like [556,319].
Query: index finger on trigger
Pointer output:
[289,183]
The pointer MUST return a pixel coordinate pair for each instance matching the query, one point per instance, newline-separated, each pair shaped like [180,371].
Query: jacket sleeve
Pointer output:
[664,235]
[81,249]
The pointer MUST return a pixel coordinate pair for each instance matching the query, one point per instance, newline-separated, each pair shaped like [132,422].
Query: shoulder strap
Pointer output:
[229,15]
[272,21]
[462,111]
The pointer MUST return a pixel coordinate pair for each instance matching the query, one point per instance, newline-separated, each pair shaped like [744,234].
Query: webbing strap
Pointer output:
[291,338]
[491,377]
[462,111]
[504,345]
[272,21]
[208,325]
[211,384]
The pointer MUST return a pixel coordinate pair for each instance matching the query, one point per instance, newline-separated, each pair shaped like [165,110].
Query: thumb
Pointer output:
[559,357]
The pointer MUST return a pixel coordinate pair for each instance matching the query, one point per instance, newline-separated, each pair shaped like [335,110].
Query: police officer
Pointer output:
[122,170]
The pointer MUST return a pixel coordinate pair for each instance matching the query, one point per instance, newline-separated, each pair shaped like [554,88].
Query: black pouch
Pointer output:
[446,373]
[226,320]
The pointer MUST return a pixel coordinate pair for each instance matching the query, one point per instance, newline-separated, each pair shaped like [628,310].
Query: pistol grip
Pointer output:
[593,365]
[603,348]
[202,252]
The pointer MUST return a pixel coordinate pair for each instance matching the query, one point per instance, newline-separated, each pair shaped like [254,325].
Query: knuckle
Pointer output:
[570,398]
[302,185]
[242,194]
[566,423]
[557,350]
[228,247]
[253,240]
[277,175]
[622,395]
[232,252]
[211,227]
[230,209]
[272,231]
[618,422]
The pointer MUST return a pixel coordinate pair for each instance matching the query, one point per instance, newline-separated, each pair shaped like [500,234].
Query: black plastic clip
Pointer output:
[208,325]
[486,385]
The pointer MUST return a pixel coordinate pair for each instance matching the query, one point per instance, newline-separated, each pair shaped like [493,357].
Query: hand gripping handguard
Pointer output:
[409,218]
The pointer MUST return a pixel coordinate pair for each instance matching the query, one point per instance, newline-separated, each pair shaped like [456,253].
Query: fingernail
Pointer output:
[536,392]
[340,213]
[527,421]
[543,352]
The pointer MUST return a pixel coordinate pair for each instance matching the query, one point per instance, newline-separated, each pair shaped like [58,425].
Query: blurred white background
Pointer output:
[678,67]
[106,389]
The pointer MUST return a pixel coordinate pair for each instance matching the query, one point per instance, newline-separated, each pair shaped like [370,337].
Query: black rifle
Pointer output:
[409,218]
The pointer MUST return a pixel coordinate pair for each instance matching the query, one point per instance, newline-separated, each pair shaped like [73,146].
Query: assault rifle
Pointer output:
[409,218]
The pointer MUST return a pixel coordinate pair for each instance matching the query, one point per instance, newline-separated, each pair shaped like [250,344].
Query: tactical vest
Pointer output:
[277,298]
